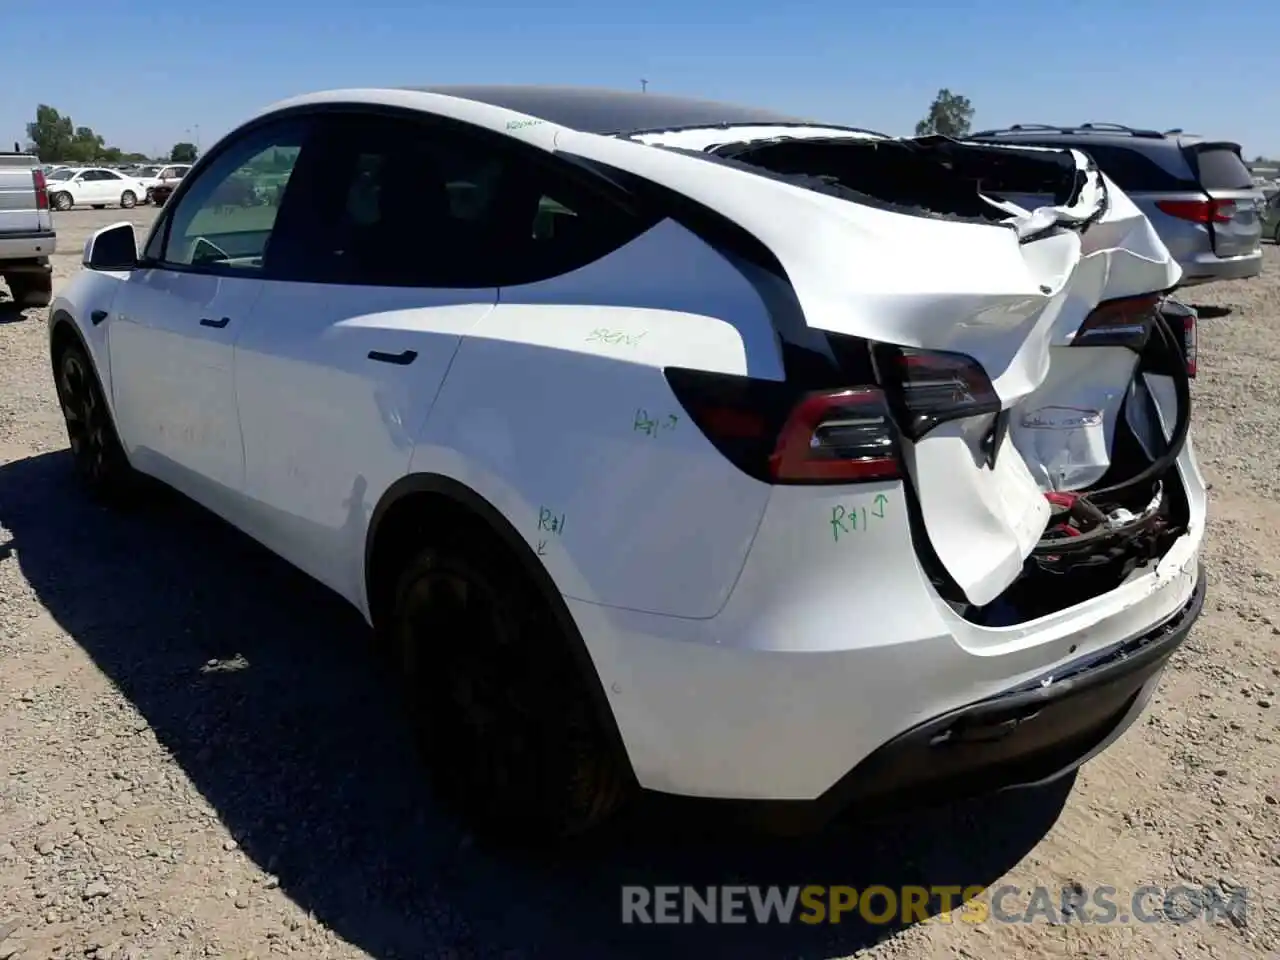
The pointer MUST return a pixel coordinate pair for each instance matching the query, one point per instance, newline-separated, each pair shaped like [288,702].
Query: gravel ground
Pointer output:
[198,759]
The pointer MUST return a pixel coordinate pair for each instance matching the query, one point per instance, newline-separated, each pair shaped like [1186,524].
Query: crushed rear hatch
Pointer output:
[973,306]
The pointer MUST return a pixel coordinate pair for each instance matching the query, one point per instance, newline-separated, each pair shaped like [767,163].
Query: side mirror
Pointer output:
[112,248]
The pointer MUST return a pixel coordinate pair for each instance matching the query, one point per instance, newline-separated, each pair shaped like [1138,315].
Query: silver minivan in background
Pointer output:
[1197,193]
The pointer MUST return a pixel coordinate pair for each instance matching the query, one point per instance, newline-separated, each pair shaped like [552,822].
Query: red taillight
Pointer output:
[841,437]
[930,387]
[1189,340]
[1119,323]
[777,434]
[42,189]
[1199,211]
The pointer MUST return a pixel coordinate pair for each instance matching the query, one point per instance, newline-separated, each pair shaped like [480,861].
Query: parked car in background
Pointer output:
[27,237]
[1271,223]
[169,175]
[159,194]
[671,442]
[1197,193]
[95,187]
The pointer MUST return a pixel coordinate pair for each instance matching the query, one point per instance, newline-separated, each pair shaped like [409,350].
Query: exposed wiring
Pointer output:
[1083,506]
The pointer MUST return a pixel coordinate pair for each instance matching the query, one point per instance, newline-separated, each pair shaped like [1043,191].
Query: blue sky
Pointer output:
[145,73]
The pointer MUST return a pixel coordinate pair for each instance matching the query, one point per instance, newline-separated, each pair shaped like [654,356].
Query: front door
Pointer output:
[175,325]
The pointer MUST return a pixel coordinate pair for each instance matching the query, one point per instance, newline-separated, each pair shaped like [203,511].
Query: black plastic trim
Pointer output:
[465,497]
[29,235]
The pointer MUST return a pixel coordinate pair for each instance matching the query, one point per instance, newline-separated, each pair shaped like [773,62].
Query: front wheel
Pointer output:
[502,713]
[128,199]
[62,200]
[98,458]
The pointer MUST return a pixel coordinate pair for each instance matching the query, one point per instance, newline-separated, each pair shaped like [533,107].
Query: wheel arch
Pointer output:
[436,492]
[63,329]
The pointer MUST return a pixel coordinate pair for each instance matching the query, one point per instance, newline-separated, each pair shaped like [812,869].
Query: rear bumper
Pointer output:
[829,654]
[26,246]
[1208,268]
[1034,733]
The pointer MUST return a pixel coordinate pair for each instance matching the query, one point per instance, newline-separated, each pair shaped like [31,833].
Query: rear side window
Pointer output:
[1134,172]
[404,202]
[1220,168]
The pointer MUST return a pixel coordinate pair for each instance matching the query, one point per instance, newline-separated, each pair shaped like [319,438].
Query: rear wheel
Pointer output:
[61,200]
[98,458]
[500,709]
[128,199]
[31,290]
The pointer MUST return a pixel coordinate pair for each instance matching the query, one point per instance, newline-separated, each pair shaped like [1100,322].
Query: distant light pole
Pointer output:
[644,86]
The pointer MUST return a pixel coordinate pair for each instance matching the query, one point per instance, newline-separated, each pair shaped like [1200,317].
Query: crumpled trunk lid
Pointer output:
[1009,290]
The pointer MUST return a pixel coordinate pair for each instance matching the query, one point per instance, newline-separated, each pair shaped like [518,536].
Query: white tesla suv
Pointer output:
[671,443]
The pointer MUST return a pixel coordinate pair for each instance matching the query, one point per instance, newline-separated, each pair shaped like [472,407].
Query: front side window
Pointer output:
[402,202]
[227,215]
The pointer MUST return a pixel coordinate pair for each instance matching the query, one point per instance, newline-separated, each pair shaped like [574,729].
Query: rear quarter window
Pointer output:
[1220,168]
[1134,172]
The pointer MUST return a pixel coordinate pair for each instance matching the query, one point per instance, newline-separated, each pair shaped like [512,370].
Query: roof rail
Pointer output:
[1091,127]
[1119,128]
[1022,127]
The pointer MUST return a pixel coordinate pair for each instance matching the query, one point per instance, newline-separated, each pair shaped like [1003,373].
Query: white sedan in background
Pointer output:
[95,187]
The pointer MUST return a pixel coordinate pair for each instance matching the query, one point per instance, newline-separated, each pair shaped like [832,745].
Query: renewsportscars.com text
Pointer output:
[817,904]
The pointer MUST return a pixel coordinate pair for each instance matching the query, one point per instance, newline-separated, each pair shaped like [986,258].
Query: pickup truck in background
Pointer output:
[26,230]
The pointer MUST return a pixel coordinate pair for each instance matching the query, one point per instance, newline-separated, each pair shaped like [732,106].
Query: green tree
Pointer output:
[183,153]
[949,115]
[86,146]
[56,139]
[51,134]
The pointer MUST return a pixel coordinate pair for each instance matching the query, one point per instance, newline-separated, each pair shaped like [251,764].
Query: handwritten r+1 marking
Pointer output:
[548,521]
[645,424]
[846,521]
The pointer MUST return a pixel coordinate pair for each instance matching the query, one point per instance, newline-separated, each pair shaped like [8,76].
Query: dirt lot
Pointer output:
[198,760]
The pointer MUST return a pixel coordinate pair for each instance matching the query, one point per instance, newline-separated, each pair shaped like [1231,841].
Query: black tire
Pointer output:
[99,459]
[151,196]
[1277,235]
[31,290]
[128,200]
[501,711]
[62,200]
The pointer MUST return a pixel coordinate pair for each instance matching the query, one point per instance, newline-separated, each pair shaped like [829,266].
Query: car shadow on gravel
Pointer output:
[9,312]
[261,685]
[1209,311]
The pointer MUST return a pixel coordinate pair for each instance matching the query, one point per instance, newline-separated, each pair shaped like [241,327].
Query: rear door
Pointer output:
[1236,226]
[95,188]
[359,321]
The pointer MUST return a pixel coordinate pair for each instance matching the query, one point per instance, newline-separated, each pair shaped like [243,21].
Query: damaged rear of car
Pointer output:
[985,409]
